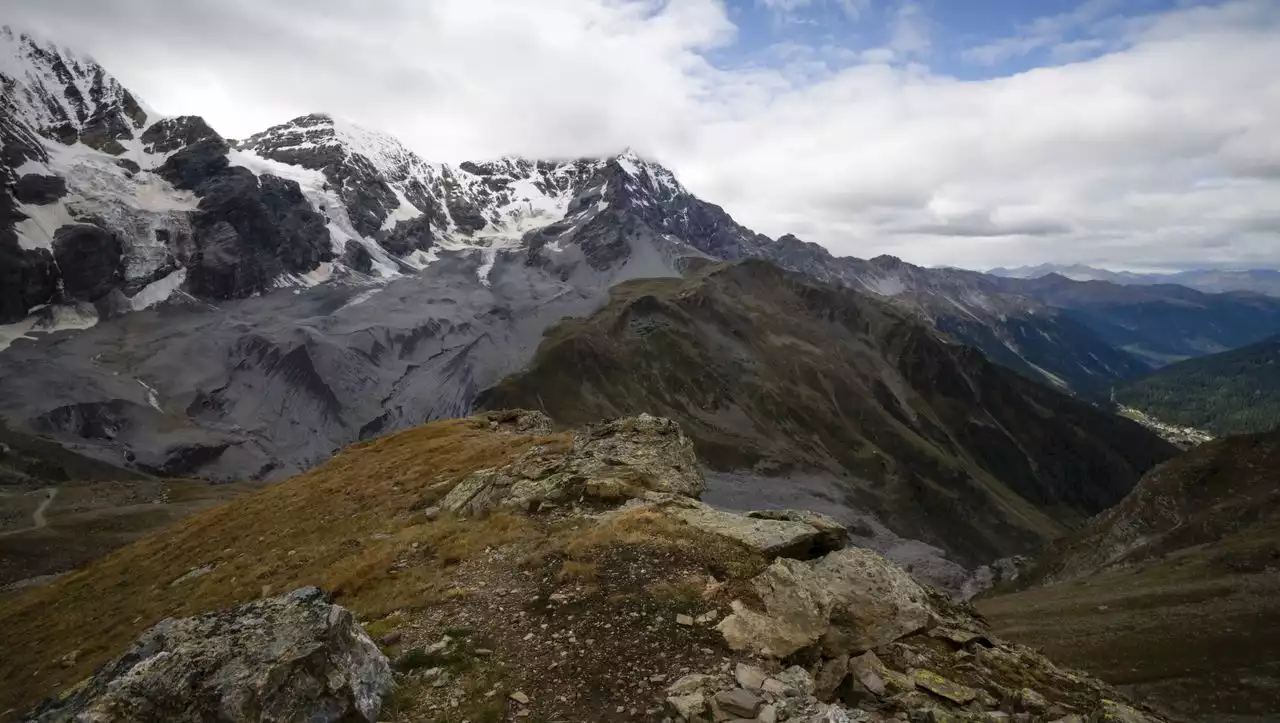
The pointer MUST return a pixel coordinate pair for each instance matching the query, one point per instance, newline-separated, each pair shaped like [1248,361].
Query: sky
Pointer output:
[1129,134]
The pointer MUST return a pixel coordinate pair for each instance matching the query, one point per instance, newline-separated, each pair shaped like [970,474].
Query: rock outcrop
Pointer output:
[290,659]
[846,603]
[39,189]
[90,260]
[609,462]
[595,598]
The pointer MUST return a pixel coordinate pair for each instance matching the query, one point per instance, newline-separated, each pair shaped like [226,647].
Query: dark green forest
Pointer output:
[1235,392]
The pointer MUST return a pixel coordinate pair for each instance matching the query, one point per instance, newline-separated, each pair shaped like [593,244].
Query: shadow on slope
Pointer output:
[1172,592]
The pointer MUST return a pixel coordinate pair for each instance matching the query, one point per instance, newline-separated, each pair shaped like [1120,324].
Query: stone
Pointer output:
[519,697]
[831,534]
[830,675]
[688,706]
[291,659]
[943,688]
[749,676]
[958,636]
[1110,711]
[691,683]
[773,686]
[867,670]
[850,601]
[653,451]
[796,681]
[686,620]
[519,421]
[1031,702]
[771,538]
[38,189]
[768,714]
[739,702]
[609,463]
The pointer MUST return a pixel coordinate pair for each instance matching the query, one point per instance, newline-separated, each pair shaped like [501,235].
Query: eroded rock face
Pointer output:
[249,230]
[39,189]
[289,659]
[90,260]
[28,277]
[172,134]
[609,462]
[848,602]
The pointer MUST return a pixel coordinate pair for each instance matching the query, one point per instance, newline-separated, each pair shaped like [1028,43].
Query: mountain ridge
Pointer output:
[770,371]
[1262,281]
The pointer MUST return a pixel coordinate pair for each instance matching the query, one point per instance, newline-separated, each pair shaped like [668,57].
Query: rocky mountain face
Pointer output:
[771,372]
[589,585]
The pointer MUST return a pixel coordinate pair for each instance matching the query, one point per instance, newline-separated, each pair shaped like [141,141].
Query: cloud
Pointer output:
[910,32]
[1162,151]
[1046,32]
[791,10]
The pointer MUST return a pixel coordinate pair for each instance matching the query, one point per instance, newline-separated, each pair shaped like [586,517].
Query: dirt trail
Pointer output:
[38,519]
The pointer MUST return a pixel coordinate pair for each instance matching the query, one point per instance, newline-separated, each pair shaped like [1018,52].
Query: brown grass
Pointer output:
[349,526]
[577,571]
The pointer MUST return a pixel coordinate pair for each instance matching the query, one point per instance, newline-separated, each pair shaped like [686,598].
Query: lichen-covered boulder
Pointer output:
[648,451]
[289,659]
[607,463]
[832,535]
[769,537]
[847,602]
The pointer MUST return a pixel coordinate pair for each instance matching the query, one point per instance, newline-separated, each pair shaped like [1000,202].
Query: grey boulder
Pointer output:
[848,602]
[611,462]
[289,659]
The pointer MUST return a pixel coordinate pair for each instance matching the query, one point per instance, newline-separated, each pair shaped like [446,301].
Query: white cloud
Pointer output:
[1048,31]
[1164,152]
[791,10]
[910,33]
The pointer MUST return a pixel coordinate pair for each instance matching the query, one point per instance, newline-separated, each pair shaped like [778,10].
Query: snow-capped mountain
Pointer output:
[273,299]
[158,205]
[67,97]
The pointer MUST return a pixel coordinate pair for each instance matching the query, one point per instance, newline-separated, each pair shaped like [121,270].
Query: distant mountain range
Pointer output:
[1214,281]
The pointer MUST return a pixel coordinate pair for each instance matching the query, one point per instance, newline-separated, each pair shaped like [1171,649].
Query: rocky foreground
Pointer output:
[602,590]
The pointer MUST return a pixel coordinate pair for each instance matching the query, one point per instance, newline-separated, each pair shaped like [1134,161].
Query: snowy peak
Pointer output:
[67,97]
[318,140]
